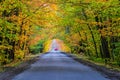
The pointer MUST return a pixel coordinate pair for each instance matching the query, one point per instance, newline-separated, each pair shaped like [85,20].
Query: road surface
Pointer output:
[58,66]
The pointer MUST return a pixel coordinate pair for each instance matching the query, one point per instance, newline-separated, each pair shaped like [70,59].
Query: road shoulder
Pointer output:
[113,75]
[10,73]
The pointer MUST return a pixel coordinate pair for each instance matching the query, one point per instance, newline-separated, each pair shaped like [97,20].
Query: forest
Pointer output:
[88,27]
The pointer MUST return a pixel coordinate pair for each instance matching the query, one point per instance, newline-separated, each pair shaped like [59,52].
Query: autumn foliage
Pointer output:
[88,27]
[20,25]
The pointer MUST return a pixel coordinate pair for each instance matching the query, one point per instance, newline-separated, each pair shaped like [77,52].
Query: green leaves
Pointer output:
[81,23]
[92,22]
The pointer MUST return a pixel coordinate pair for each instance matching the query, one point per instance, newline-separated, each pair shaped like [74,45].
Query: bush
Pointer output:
[38,48]
[19,54]
[96,59]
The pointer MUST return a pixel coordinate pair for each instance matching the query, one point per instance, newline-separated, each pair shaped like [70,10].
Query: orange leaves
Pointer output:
[88,1]
[102,0]
[106,31]
[64,47]
[74,39]
[35,3]
[47,45]
[35,40]
[54,7]
[22,38]
[26,25]
[61,45]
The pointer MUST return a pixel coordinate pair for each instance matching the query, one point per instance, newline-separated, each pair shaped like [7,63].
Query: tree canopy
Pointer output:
[89,27]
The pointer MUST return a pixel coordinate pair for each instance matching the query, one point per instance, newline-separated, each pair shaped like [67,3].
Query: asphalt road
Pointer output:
[58,66]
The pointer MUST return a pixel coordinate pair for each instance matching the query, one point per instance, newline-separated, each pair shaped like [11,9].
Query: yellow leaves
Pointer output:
[16,19]
[0,28]
[102,0]
[88,1]
[19,19]
[51,13]
[65,48]
[47,45]
[118,19]
[50,7]
[116,32]
[106,31]
[93,23]
[36,39]
[35,3]
[80,21]
[54,7]
[23,38]
[3,47]
[62,47]
[26,25]
[19,54]
[74,39]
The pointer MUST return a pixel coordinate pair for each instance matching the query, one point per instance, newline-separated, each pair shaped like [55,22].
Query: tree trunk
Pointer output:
[95,46]
[103,39]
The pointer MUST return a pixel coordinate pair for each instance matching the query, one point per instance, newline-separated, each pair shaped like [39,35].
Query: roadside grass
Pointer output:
[17,62]
[98,61]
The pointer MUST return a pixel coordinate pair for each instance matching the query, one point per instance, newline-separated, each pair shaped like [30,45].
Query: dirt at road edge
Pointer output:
[10,73]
